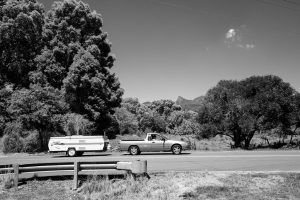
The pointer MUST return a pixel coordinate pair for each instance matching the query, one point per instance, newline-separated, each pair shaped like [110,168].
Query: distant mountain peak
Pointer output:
[190,104]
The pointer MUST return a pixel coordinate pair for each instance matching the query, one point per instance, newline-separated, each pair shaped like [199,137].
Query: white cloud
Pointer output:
[250,46]
[236,38]
[231,33]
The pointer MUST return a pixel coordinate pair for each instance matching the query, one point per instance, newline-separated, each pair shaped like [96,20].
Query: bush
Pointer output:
[12,143]
[7,181]
[31,143]
[206,131]
[1,145]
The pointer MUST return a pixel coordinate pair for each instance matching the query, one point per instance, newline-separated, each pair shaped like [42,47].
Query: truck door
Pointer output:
[157,143]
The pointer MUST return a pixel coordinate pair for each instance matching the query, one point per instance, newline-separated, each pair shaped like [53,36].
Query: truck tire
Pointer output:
[134,150]
[71,152]
[176,149]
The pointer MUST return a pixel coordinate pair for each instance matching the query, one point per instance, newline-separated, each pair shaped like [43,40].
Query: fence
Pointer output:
[37,170]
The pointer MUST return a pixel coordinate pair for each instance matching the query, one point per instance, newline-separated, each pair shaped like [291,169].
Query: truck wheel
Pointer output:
[134,150]
[71,152]
[176,149]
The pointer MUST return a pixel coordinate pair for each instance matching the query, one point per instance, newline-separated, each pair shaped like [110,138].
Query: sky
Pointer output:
[171,48]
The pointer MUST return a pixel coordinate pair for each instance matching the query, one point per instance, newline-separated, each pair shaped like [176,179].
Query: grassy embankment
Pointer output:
[170,186]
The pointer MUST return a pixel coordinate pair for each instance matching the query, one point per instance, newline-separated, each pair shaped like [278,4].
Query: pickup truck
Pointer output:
[153,142]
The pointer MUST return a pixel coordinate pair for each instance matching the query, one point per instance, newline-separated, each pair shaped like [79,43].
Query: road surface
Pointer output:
[188,161]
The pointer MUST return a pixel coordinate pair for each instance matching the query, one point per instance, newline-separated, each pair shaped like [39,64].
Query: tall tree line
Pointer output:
[55,73]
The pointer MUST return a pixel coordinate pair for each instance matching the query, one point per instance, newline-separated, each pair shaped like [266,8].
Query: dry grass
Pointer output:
[218,143]
[6,181]
[197,185]
[170,186]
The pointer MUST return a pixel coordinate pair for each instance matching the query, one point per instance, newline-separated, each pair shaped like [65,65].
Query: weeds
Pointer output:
[103,188]
[6,181]
[170,186]
[1,145]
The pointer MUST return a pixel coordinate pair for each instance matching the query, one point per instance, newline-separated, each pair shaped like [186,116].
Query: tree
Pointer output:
[131,104]
[88,91]
[240,109]
[295,117]
[127,121]
[164,107]
[5,94]
[21,29]
[75,124]
[37,109]
[77,59]
[55,72]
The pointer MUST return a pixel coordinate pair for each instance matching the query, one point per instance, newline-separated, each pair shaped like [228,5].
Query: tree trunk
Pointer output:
[237,139]
[41,140]
[248,139]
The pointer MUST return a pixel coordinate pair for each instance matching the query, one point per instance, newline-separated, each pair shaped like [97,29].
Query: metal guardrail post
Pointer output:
[76,170]
[16,175]
[138,167]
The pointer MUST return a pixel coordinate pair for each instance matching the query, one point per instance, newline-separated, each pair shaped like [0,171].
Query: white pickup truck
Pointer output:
[76,145]
[153,142]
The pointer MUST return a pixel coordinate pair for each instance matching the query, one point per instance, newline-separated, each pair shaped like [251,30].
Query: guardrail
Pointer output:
[76,168]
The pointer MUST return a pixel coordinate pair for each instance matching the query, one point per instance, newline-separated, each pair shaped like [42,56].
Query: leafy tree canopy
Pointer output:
[240,109]
[55,64]
[21,29]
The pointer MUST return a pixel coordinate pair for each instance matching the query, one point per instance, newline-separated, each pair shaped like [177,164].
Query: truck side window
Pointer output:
[153,137]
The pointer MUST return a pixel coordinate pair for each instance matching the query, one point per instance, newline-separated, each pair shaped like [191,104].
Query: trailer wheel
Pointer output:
[134,150]
[176,149]
[71,152]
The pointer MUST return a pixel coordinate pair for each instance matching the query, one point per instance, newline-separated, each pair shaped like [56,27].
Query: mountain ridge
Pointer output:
[187,104]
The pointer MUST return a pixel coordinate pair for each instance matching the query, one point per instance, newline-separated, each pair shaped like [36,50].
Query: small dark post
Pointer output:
[16,175]
[76,170]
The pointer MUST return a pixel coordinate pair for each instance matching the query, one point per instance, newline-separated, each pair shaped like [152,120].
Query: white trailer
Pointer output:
[76,145]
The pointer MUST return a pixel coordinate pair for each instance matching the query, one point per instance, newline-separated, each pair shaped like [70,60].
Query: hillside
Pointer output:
[190,104]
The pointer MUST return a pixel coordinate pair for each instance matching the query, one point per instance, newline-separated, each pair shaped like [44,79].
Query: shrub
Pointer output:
[1,145]
[12,143]
[7,181]
[31,143]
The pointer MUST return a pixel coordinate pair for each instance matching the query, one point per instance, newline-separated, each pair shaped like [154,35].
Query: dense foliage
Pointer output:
[55,74]
[241,109]
[158,116]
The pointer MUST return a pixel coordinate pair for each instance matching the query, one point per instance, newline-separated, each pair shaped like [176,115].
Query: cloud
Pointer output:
[231,33]
[235,37]
[250,46]
[245,46]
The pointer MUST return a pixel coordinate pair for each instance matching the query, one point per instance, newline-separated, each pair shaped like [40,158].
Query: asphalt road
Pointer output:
[188,161]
